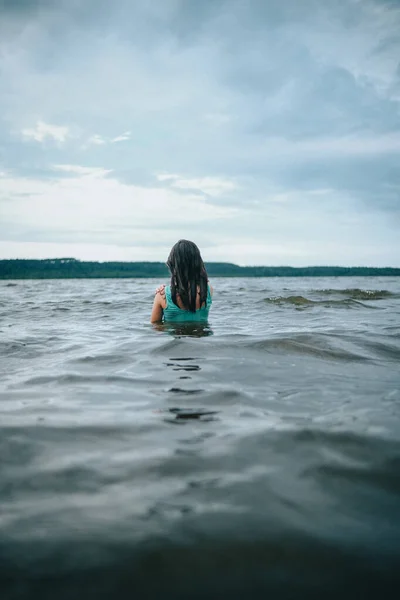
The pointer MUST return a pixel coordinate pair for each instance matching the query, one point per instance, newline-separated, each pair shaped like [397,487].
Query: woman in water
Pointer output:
[188,298]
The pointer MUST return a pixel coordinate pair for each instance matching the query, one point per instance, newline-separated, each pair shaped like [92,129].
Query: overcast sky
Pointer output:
[267,131]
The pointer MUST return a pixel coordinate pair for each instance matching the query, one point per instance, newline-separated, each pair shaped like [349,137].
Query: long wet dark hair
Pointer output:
[187,273]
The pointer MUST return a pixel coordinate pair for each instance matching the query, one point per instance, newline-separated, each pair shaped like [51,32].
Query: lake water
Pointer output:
[258,457]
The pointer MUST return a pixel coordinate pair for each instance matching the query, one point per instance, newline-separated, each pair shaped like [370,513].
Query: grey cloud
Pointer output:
[22,7]
[159,68]
[375,182]
[332,102]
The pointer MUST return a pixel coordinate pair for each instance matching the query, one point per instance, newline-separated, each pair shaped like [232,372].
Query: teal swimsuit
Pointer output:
[172,312]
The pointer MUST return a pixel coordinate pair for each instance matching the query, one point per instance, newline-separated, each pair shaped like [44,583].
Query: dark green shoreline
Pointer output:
[70,268]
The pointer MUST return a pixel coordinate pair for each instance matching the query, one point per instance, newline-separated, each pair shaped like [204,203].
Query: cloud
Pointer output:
[79,170]
[99,140]
[211,186]
[96,140]
[122,138]
[280,120]
[90,204]
[45,131]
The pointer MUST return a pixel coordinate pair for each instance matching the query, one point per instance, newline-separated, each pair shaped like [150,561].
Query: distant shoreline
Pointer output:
[70,268]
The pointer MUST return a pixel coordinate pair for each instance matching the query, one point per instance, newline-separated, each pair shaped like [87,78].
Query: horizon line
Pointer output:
[210,262]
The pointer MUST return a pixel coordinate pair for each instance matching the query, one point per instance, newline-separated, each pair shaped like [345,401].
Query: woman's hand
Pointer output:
[161,290]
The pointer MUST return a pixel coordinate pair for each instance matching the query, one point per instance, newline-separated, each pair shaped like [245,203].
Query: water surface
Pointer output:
[257,455]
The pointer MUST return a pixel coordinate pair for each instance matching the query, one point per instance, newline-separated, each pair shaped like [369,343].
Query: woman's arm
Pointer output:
[159,304]
[157,311]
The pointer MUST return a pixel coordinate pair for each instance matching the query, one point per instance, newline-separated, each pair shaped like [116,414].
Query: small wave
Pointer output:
[313,345]
[359,294]
[294,347]
[71,378]
[98,302]
[384,475]
[358,458]
[106,359]
[303,302]
[294,300]
[385,350]
[11,347]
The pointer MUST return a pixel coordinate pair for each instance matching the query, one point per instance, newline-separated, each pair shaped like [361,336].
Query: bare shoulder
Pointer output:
[211,288]
[160,296]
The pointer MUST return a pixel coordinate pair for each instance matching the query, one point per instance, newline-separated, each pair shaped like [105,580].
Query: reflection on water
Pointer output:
[184,414]
[190,365]
[179,330]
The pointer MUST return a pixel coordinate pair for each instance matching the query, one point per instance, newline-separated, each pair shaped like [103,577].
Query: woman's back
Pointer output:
[177,314]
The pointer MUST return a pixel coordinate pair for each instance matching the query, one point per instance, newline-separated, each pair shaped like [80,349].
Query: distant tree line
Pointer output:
[70,268]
